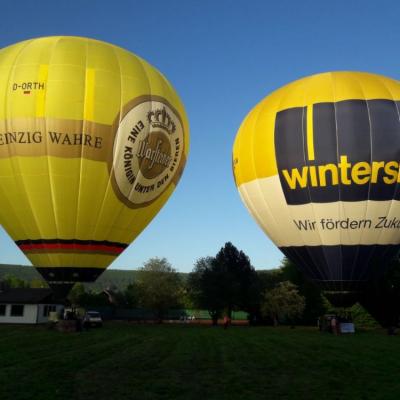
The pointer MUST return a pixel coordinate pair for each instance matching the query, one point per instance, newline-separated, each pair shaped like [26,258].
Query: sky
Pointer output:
[222,57]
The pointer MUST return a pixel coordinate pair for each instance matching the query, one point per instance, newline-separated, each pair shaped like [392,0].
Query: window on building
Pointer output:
[48,309]
[17,310]
[2,310]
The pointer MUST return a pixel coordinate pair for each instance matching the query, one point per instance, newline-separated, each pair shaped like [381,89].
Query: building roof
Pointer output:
[27,296]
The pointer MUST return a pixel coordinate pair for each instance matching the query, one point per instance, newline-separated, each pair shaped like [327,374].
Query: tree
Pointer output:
[225,282]
[38,283]
[240,288]
[159,286]
[270,278]
[80,297]
[314,301]
[203,284]
[15,282]
[283,303]
[77,294]
[131,295]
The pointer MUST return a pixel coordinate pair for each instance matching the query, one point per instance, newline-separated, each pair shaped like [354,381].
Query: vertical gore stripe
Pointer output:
[310,133]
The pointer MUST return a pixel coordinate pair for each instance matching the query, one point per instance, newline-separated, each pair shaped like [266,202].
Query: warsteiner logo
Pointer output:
[344,151]
[148,151]
[154,154]
[161,119]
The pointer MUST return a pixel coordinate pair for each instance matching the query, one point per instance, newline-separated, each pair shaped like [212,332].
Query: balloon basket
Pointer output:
[67,326]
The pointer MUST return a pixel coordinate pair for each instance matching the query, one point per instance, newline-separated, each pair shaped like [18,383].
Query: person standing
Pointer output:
[335,325]
[227,321]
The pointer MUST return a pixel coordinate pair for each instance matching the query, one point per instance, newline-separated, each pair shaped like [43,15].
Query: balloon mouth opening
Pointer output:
[61,291]
[62,279]
[342,286]
[70,274]
[345,298]
[342,294]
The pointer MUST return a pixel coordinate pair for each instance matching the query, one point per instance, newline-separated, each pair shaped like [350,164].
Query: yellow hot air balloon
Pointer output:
[93,141]
[317,164]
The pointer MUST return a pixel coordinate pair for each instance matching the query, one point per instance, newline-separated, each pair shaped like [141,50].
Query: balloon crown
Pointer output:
[160,118]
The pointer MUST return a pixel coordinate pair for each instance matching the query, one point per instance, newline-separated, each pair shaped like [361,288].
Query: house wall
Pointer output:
[41,319]
[29,317]
[33,314]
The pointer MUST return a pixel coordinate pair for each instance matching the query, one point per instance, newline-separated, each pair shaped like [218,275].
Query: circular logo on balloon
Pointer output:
[148,149]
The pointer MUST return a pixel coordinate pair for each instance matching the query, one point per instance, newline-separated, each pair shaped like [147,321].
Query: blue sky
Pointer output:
[222,57]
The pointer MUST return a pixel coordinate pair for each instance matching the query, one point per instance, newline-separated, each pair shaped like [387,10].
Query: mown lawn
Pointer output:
[127,361]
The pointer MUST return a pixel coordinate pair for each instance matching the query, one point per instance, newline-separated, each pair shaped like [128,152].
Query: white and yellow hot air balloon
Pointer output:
[317,165]
[93,141]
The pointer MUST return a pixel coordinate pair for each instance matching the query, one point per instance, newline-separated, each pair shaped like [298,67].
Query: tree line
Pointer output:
[221,284]
[228,282]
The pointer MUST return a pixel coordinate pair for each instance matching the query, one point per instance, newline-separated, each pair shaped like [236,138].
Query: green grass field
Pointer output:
[127,361]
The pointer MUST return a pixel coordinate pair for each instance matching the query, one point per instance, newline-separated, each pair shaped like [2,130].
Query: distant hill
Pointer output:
[118,278]
[111,277]
[24,272]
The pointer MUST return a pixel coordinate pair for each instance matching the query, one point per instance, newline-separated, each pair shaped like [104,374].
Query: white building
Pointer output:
[27,306]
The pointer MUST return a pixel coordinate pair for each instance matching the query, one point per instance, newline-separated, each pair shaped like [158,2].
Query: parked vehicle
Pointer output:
[92,318]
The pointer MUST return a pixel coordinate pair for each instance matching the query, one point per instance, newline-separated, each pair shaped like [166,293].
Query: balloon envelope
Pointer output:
[93,141]
[317,165]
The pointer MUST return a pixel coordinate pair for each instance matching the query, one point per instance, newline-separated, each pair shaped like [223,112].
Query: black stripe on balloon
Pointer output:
[289,149]
[361,130]
[341,267]
[70,274]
